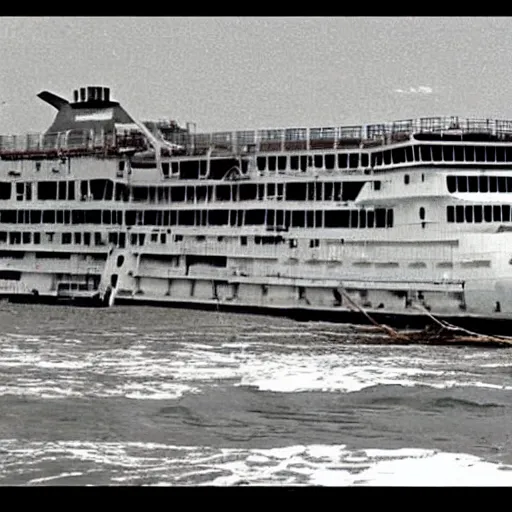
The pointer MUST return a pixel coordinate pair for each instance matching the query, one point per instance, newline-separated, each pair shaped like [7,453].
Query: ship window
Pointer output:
[370,218]
[409,154]
[462,183]
[71,190]
[493,184]
[3,236]
[294,163]
[398,155]
[354,218]
[380,218]
[163,238]
[387,157]
[328,191]
[469,213]
[303,163]
[261,162]
[243,240]
[35,216]
[376,185]
[78,238]
[190,193]
[319,161]
[500,154]
[458,153]
[154,237]
[47,190]
[448,153]
[407,179]
[488,213]
[140,194]
[450,214]
[469,153]
[186,217]
[121,165]
[314,243]
[483,183]
[177,194]
[37,237]
[293,243]
[5,190]
[48,216]
[505,212]
[502,184]
[496,213]
[66,238]
[271,163]
[478,213]
[165,168]
[62,189]
[364,160]
[217,217]
[318,190]
[376,159]
[142,238]
[362,218]
[459,213]
[298,219]
[281,163]
[342,161]
[27,237]
[19,191]
[60,217]
[329,161]
[426,155]
[422,213]
[296,191]
[175,167]
[310,218]
[87,238]
[353,160]
[318,219]
[14,237]
[248,192]
[473,183]
[491,153]
[451,184]
[97,239]
[480,154]
[437,153]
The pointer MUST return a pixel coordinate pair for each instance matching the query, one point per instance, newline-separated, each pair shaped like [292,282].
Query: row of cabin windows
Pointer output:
[320,161]
[378,218]
[479,183]
[479,213]
[79,238]
[106,190]
[291,191]
[438,153]
[61,217]
[328,218]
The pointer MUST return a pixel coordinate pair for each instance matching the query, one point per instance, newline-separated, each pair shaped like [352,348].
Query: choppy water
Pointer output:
[154,396]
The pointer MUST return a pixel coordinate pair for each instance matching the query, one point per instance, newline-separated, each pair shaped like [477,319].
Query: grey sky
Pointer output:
[235,73]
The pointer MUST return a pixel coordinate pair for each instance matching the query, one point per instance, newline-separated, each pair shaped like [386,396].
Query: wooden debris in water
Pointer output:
[445,334]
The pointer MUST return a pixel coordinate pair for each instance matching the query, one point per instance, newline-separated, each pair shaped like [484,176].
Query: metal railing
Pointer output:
[266,140]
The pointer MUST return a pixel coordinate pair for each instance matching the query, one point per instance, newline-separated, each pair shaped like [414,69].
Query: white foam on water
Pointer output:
[322,465]
[54,366]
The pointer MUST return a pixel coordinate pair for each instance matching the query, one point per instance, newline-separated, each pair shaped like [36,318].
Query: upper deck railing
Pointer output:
[281,139]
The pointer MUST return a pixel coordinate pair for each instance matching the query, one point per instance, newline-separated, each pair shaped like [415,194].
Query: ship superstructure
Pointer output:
[396,216]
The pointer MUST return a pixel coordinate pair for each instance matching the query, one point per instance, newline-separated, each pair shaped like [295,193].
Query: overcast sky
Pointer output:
[231,73]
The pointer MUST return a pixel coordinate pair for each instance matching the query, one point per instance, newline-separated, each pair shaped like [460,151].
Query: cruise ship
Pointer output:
[394,218]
